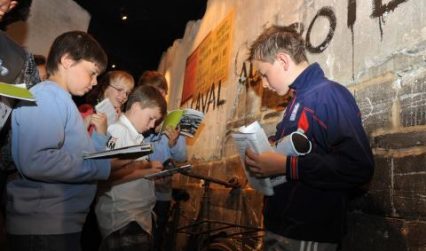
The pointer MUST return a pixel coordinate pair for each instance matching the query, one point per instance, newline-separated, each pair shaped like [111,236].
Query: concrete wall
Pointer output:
[48,19]
[378,50]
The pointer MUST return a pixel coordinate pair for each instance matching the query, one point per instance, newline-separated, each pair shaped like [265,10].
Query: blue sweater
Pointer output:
[161,153]
[55,187]
[312,204]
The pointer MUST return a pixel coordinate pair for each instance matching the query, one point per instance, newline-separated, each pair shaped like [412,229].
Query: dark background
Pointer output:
[136,44]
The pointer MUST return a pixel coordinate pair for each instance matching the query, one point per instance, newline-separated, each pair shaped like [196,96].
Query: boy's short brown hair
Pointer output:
[277,39]
[148,97]
[78,45]
[154,78]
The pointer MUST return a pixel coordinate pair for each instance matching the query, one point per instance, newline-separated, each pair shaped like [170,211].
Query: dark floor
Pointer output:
[3,243]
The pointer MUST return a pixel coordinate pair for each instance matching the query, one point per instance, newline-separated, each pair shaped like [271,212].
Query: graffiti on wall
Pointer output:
[207,97]
[327,13]
[379,10]
[210,99]
[249,77]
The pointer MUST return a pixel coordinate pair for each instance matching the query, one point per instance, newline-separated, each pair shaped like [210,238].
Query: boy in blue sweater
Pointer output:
[48,202]
[309,210]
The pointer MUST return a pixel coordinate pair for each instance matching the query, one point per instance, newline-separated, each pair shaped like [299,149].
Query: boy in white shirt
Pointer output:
[124,211]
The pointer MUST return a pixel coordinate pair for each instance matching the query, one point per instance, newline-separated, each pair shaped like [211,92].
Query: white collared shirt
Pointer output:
[130,201]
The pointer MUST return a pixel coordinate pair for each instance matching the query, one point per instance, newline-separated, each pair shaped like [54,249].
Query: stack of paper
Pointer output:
[134,151]
[253,136]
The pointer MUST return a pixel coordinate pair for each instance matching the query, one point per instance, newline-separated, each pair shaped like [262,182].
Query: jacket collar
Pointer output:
[310,77]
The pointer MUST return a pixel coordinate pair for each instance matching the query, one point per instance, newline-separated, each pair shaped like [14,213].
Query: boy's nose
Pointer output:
[122,95]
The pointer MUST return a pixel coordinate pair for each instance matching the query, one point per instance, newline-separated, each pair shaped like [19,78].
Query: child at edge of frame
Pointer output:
[55,186]
[309,210]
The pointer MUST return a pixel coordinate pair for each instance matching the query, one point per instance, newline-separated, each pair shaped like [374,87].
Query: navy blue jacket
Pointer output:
[312,204]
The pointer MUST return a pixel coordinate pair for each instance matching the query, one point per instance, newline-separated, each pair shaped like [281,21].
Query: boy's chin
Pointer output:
[282,92]
[79,93]
[142,130]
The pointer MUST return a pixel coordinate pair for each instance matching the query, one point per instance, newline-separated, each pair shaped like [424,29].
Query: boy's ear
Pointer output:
[66,61]
[12,5]
[284,59]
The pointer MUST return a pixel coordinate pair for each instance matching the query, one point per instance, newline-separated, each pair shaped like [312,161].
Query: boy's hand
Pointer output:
[142,168]
[172,134]
[265,164]
[128,171]
[156,167]
[99,121]
[86,121]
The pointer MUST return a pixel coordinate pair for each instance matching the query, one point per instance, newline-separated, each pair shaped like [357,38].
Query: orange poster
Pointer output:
[209,63]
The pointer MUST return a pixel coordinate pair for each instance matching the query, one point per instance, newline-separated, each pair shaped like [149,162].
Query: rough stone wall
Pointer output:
[391,216]
[378,50]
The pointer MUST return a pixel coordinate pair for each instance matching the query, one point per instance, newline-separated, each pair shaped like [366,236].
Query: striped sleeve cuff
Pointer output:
[292,167]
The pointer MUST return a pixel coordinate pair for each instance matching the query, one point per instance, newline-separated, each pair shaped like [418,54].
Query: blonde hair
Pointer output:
[108,78]
[113,77]
[277,39]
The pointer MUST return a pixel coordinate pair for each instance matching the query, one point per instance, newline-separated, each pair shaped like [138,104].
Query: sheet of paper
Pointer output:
[105,106]
[5,110]
[254,136]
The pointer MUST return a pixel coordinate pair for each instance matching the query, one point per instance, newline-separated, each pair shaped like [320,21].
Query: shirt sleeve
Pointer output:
[100,140]
[39,132]
[161,149]
[178,151]
[341,157]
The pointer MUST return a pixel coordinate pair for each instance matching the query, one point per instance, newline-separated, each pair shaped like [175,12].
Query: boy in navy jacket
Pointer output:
[309,209]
